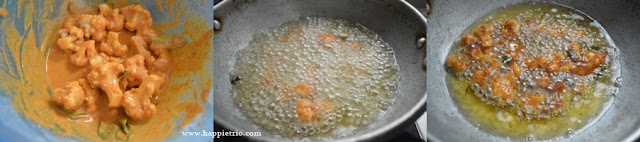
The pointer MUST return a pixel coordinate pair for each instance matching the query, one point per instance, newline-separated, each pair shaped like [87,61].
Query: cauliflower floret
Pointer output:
[137,71]
[112,45]
[310,111]
[93,26]
[162,62]
[139,45]
[511,28]
[95,58]
[66,44]
[78,49]
[147,33]
[73,32]
[136,18]
[116,20]
[105,76]
[71,97]
[79,56]
[160,82]
[91,94]
[137,103]
[485,33]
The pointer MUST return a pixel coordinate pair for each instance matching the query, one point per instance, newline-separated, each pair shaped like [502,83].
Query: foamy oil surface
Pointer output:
[315,78]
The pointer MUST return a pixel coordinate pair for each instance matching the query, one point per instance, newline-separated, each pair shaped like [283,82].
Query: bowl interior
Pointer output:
[16,127]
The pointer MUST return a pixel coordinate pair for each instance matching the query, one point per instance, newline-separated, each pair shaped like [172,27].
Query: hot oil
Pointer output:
[580,110]
[505,121]
[352,78]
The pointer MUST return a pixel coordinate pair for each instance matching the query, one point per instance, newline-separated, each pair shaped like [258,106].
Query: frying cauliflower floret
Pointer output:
[139,45]
[484,32]
[589,62]
[310,111]
[105,76]
[116,20]
[480,78]
[468,40]
[71,97]
[112,46]
[504,88]
[137,71]
[511,28]
[457,63]
[137,103]
[306,110]
[91,94]
[93,26]
[136,17]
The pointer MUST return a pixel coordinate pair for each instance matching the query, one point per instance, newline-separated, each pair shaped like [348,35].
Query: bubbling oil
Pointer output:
[346,72]
[581,102]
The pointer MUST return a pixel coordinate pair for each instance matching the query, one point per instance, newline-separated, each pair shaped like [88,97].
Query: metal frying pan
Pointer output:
[399,24]
[448,20]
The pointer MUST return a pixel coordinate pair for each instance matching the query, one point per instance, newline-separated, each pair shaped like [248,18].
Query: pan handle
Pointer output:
[429,9]
[424,6]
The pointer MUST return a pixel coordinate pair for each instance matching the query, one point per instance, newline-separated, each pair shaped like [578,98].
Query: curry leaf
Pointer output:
[71,8]
[573,55]
[105,131]
[593,47]
[506,59]
[77,115]
[126,128]
[122,136]
[235,80]
[339,27]
[124,74]
[155,101]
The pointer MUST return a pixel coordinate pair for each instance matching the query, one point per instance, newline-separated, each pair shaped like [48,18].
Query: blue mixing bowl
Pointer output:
[15,127]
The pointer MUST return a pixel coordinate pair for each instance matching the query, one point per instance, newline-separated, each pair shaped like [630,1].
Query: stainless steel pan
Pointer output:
[621,122]
[395,21]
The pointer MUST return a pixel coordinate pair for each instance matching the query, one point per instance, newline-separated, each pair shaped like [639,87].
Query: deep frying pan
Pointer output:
[399,24]
[621,122]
